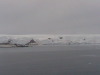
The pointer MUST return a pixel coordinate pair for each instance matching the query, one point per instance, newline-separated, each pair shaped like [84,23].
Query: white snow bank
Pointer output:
[52,39]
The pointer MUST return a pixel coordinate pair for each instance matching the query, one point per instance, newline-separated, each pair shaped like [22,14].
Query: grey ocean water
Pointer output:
[51,60]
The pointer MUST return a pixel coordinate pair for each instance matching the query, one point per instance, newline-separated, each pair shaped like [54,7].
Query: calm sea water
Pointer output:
[51,60]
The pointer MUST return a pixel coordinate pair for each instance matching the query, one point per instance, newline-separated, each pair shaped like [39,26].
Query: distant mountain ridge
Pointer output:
[27,40]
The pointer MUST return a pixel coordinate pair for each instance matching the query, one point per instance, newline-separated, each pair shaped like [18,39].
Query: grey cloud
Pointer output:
[49,16]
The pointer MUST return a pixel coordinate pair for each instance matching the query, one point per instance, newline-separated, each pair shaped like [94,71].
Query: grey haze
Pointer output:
[49,16]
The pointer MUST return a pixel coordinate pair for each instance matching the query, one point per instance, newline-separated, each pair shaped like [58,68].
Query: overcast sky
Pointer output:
[49,16]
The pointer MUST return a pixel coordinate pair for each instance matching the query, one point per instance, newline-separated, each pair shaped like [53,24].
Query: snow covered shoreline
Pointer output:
[31,40]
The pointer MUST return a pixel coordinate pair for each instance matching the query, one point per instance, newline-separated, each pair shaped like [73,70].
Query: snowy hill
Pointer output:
[51,39]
